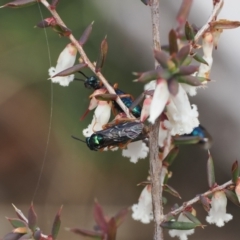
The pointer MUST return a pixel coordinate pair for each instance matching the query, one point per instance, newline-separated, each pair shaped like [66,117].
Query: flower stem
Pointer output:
[87,60]
[155,162]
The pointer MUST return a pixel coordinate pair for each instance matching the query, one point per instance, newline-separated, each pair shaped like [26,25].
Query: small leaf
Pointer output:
[189,32]
[171,156]
[21,230]
[190,80]
[112,229]
[120,216]
[102,56]
[54,4]
[20,214]
[210,171]
[162,58]
[37,234]
[173,86]
[171,190]
[199,58]
[87,233]
[106,97]
[47,22]
[12,236]
[99,217]
[16,223]
[19,3]
[70,70]
[205,202]
[183,53]
[187,70]
[32,218]
[179,225]
[235,172]
[27,236]
[172,39]
[146,2]
[83,39]
[56,224]
[61,30]
[182,140]
[192,218]
[232,197]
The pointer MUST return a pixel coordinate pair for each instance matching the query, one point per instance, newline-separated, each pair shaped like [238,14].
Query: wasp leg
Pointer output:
[126,95]
[118,121]
[115,85]
[124,145]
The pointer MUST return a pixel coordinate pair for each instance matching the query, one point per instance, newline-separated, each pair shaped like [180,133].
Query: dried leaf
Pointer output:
[224,24]
[83,39]
[205,202]
[210,171]
[20,214]
[21,230]
[102,56]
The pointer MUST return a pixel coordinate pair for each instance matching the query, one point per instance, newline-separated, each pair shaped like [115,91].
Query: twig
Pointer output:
[215,11]
[155,163]
[87,60]
[197,198]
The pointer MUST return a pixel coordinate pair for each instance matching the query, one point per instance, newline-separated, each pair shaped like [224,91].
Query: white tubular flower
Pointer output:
[101,117]
[163,132]
[65,60]
[217,213]
[136,150]
[143,210]
[182,116]
[160,99]
[181,234]
[145,109]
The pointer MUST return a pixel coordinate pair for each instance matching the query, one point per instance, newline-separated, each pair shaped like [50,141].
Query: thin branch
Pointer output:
[155,162]
[205,27]
[87,60]
[197,198]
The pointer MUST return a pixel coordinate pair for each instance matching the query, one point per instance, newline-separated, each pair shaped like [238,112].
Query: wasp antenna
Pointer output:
[79,79]
[78,139]
[83,74]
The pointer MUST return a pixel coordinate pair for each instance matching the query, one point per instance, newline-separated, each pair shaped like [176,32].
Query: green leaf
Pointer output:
[19,3]
[189,32]
[102,55]
[12,236]
[183,53]
[20,214]
[210,171]
[179,225]
[182,140]
[171,190]
[83,39]
[192,218]
[112,229]
[162,58]
[235,172]
[56,224]
[187,70]
[61,30]
[86,233]
[99,217]
[32,218]
[172,39]
[190,80]
[199,58]
[171,156]
[232,197]
[27,236]
[16,223]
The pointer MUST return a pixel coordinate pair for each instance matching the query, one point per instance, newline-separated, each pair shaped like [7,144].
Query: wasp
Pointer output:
[117,136]
[199,136]
[94,83]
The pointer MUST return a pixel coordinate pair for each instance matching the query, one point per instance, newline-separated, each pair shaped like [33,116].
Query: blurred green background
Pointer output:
[72,174]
